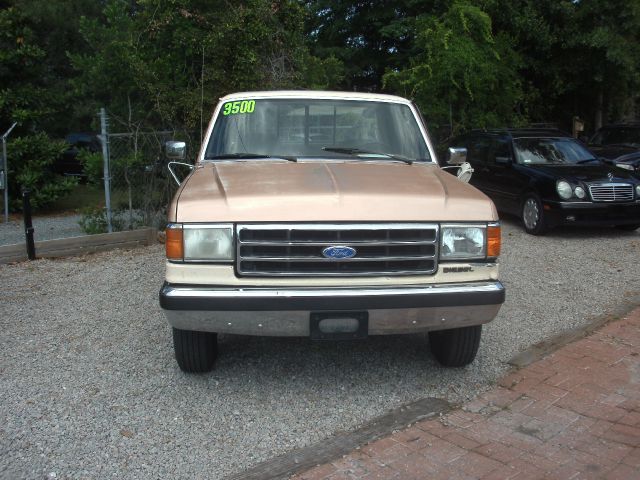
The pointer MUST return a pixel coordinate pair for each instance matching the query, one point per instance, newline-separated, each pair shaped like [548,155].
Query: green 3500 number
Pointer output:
[245,106]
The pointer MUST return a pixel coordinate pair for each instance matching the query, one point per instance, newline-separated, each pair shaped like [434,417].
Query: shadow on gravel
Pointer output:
[280,360]
[328,378]
[379,348]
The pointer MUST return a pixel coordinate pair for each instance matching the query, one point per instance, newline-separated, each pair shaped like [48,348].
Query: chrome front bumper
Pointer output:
[286,311]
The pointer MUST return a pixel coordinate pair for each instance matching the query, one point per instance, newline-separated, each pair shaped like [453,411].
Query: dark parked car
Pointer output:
[619,145]
[68,163]
[548,178]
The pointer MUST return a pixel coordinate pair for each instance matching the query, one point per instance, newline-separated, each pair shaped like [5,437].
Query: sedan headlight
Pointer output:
[462,242]
[580,193]
[637,191]
[564,189]
[200,242]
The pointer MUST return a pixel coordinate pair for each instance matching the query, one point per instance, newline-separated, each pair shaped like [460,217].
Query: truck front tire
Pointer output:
[195,352]
[456,347]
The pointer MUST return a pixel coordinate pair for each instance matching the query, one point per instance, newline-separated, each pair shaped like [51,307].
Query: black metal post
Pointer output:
[28,226]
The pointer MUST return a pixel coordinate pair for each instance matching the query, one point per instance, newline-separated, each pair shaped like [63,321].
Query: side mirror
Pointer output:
[457,156]
[175,150]
[504,160]
[464,172]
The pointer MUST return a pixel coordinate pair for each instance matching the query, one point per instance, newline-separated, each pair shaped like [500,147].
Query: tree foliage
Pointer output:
[31,95]
[579,57]
[565,57]
[30,167]
[162,64]
[23,92]
[463,73]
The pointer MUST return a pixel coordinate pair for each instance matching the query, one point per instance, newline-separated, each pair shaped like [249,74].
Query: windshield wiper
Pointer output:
[241,155]
[622,144]
[579,162]
[358,151]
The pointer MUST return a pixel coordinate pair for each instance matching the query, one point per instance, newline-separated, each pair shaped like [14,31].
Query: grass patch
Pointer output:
[84,196]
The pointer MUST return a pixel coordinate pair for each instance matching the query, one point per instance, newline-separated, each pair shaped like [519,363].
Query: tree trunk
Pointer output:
[599,109]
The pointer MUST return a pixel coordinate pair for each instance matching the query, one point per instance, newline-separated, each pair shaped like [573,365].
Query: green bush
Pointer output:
[94,220]
[92,165]
[31,161]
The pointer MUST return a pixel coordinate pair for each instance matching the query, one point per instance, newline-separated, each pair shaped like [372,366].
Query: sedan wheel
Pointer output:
[628,228]
[533,216]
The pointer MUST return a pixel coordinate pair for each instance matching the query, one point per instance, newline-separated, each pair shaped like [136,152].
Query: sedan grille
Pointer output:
[297,249]
[611,192]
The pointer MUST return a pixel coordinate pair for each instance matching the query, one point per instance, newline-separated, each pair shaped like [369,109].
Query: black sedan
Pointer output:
[618,145]
[68,163]
[548,179]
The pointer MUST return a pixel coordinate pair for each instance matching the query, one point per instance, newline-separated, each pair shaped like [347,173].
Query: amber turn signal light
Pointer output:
[174,243]
[493,241]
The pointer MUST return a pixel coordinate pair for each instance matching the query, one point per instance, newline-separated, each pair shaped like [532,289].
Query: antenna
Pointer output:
[201,93]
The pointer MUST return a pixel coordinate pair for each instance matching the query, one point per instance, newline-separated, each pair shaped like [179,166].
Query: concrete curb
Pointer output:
[340,444]
[546,347]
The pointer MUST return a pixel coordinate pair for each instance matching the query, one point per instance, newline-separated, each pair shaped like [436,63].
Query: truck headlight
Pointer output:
[208,242]
[463,242]
[199,242]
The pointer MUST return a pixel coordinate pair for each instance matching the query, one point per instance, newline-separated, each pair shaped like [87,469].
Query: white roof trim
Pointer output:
[316,94]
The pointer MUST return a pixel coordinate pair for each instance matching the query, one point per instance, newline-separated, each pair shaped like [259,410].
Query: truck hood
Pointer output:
[272,191]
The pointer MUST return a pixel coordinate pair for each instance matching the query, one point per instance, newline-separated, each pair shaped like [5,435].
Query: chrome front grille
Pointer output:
[611,192]
[297,249]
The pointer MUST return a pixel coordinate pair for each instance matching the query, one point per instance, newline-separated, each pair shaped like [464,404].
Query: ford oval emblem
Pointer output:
[339,253]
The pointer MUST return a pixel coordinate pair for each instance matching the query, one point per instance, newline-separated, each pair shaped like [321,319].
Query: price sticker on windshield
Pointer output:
[244,106]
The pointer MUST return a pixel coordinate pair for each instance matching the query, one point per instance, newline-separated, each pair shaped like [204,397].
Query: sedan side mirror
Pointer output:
[175,150]
[457,155]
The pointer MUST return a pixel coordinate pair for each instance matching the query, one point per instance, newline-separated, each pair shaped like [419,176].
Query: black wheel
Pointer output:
[628,228]
[533,215]
[195,351]
[456,347]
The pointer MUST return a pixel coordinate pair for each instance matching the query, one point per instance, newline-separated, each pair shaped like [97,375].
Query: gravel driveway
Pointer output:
[44,228]
[89,386]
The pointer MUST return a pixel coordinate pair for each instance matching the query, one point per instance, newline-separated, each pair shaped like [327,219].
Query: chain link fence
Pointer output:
[132,167]
[139,175]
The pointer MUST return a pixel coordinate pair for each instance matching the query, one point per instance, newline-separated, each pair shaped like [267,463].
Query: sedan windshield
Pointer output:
[331,129]
[554,151]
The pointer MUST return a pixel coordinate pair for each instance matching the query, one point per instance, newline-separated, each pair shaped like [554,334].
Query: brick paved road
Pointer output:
[572,415]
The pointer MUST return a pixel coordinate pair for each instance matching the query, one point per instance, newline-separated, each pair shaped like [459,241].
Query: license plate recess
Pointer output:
[338,325]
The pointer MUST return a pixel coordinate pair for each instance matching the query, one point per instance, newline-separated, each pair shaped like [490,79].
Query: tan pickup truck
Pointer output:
[326,215]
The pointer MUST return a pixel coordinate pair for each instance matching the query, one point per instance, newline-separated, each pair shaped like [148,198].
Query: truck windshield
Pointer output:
[332,129]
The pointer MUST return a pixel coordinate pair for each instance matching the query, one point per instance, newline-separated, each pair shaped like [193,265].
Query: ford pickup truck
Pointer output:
[326,215]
